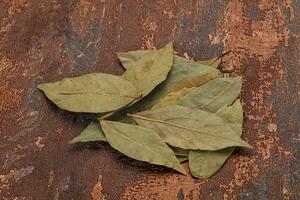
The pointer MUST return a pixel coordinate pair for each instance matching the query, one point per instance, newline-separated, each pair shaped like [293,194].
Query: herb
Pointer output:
[164,109]
[214,94]
[190,128]
[93,132]
[92,93]
[140,143]
[149,71]
[204,164]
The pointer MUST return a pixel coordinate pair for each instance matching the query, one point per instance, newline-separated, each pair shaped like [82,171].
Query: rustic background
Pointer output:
[46,40]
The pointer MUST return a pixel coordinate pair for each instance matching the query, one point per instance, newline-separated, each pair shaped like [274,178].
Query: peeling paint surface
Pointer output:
[96,193]
[46,40]
[14,176]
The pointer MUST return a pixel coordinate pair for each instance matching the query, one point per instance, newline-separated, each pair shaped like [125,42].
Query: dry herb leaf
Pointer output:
[92,133]
[181,76]
[130,57]
[204,164]
[214,94]
[182,159]
[186,75]
[179,59]
[140,143]
[213,62]
[93,93]
[234,115]
[193,81]
[149,71]
[190,128]
[127,58]
[180,152]
[172,98]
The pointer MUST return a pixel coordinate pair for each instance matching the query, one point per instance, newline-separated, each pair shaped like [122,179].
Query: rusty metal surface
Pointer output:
[46,40]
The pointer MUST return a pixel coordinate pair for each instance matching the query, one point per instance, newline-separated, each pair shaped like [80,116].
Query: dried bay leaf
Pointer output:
[93,93]
[128,58]
[183,74]
[213,62]
[186,75]
[180,152]
[179,59]
[234,115]
[181,77]
[182,159]
[193,81]
[214,94]
[190,128]
[149,71]
[202,128]
[172,98]
[204,164]
[140,143]
[92,133]
[180,87]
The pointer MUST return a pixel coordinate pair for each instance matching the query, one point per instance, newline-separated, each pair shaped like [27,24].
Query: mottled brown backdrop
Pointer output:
[46,40]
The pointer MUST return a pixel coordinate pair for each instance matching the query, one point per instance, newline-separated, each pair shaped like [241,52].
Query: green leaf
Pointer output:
[93,93]
[214,94]
[149,71]
[92,133]
[140,143]
[204,164]
[190,128]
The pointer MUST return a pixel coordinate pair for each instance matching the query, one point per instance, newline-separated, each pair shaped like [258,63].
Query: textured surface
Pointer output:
[46,40]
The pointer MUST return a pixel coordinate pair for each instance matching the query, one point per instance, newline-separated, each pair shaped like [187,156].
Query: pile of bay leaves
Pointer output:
[164,109]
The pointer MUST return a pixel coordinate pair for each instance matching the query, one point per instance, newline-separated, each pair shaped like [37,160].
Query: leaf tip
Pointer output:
[73,141]
[40,86]
[183,172]
[180,169]
[169,45]
[245,144]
